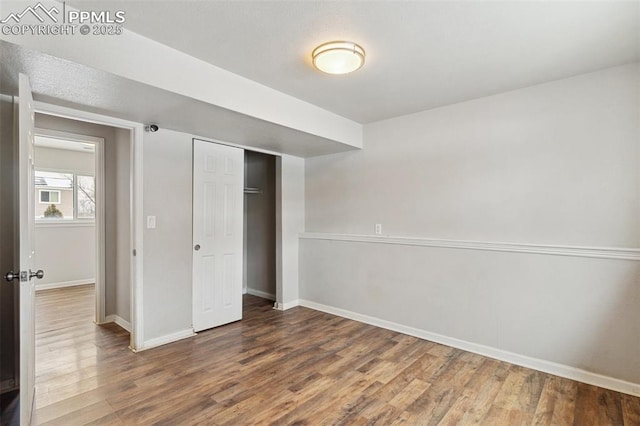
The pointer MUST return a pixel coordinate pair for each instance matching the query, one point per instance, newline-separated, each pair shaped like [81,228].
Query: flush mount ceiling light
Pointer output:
[338,57]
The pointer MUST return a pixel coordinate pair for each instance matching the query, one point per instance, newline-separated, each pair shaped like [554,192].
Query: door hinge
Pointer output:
[134,252]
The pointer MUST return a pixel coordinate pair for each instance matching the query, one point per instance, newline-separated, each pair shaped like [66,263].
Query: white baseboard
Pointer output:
[262,294]
[286,305]
[499,354]
[163,340]
[118,320]
[62,284]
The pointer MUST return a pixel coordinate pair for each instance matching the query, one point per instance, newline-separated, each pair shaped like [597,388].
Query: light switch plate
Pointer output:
[151,222]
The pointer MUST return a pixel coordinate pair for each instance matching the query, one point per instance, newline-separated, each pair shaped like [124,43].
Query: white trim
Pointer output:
[137,228]
[286,305]
[137,131]
[488,351]
[90,117]
[263,294]
[100,229]
[62,223]
[619,253]
[63,284]
[118,320]
[166,339]
[235,145]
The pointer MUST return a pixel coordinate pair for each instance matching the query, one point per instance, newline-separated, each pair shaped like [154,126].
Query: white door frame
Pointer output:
[136,214]
[279,303]
[100,234]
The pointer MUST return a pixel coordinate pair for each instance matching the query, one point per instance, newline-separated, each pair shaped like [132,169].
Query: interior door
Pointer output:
[218,187]
[26,129]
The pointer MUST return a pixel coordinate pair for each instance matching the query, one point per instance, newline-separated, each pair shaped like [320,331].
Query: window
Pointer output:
[65,196]
[86,197]
[49,197]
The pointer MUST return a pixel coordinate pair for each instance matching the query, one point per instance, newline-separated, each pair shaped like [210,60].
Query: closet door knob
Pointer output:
[39,274]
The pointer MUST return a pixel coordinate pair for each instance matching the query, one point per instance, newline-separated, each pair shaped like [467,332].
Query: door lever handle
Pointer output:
[39,274]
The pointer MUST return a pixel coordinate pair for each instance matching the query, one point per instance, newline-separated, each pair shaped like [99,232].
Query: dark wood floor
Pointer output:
[295,367]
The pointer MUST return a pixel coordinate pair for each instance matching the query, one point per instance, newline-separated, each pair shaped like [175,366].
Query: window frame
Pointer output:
[40,191]
[76,219]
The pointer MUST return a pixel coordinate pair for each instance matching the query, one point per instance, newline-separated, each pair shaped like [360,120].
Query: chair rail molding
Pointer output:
[620,253]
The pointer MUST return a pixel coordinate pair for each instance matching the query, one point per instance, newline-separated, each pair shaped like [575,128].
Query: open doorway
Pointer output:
[67,173]
[259,278]
[83,240]
[83,234]
[234,232]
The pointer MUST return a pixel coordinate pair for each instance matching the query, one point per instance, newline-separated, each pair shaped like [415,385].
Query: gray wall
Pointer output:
[52,158]
[67,253]
[8,244]
[553,164]
[260,224]
[168,258]
[116,203]
[120,304]
[538,165]
[290,222]
[168,250]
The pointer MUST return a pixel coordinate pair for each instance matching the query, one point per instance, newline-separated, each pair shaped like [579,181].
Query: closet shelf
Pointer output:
[253,191]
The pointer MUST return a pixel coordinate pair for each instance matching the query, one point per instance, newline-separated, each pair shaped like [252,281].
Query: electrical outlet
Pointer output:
[378,229]
[151,222]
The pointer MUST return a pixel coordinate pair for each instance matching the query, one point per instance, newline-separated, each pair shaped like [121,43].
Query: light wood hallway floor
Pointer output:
[295,367]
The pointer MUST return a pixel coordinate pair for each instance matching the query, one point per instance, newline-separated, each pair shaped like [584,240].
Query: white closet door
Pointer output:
[218,184]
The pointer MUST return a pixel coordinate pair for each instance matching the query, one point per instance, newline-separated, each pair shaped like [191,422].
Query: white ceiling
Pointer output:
[420,55]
